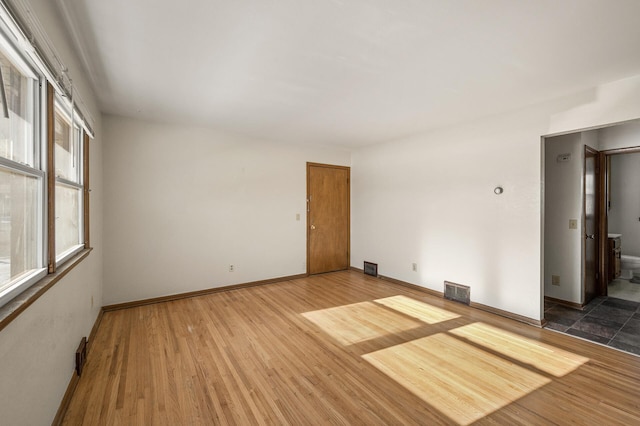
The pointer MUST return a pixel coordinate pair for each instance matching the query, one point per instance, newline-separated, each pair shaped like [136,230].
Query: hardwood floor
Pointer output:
[344,348]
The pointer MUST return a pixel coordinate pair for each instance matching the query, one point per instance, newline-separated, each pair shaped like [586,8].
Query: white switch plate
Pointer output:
[297,216]
[573,223]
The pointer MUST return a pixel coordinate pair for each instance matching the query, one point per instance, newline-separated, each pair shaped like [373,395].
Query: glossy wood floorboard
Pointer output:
[344,348]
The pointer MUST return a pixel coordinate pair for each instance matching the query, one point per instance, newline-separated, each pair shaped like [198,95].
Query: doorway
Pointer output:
[579,191]
[622,176]
[572,267]
[328,218]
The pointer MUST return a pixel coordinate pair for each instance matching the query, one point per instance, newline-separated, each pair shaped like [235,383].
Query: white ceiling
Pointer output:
[346,72]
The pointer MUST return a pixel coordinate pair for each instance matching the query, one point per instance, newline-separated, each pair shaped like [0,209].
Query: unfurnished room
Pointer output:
[319,212]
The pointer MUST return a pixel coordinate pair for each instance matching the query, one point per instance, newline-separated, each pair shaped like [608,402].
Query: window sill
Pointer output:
[21,302]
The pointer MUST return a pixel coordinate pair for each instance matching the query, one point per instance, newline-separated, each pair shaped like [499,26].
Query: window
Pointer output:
[69,184]
[44,198]
[21,177]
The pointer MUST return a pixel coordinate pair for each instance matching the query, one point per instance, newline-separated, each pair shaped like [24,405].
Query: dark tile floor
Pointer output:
[612,322]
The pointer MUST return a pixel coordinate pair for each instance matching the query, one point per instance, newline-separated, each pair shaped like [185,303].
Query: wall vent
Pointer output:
[81,355]
[457,292]
[371,269]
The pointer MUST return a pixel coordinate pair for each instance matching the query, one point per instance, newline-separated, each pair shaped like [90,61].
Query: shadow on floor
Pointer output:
[606,320]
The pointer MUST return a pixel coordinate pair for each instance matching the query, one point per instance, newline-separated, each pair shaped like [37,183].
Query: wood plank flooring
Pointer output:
[344,348]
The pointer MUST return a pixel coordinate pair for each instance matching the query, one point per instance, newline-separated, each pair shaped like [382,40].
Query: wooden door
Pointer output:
[328,200]
[591,233]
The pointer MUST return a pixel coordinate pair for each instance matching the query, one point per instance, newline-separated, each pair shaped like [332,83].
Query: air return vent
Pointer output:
[458,292]
[371,269]
[81,355]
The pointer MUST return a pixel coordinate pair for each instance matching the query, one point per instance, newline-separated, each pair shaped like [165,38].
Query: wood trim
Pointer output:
[94,330]
[479,306]
[510,315]
[86,190]
[428,291]
[66,400]
[51,181]
[73,383]
[328,166]
[566,303]
[599,254]
[15,307]
[603,246]
[629,150]
[196,293]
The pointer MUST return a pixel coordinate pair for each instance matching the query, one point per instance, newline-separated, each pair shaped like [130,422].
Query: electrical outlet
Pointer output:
[297,216]
[231,268]
[555,279]
[414,267]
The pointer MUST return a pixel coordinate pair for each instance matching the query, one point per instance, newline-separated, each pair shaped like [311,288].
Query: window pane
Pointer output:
[68,201]
[18,226]
[16,114]
[67,155]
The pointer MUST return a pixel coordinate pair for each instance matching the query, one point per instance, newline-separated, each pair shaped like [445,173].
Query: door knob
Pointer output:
[313,227]
[590,237]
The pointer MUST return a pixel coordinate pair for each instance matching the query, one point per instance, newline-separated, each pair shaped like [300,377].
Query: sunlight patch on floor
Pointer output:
[544,357]
[459,379]
[417,309]
[358,322]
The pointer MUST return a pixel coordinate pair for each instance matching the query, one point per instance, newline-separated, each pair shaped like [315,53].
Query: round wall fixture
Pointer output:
[498,190]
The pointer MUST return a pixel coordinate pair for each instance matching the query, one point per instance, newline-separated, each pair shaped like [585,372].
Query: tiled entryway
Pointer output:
[607,320]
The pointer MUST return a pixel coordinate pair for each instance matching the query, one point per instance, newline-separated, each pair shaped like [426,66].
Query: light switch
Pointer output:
[573,223]
[297,216]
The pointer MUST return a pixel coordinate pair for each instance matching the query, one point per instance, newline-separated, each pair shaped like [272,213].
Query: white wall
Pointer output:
[38,348]
[184,203]
[429,198]
[626,135]
[624,215]
[609,103]
[563,191]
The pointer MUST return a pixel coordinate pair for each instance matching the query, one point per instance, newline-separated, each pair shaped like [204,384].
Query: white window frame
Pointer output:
[76,131]
[38,92]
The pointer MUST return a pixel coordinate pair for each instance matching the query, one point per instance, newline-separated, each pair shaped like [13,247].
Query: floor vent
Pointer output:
[371,269]
[458,292]
[81,355]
